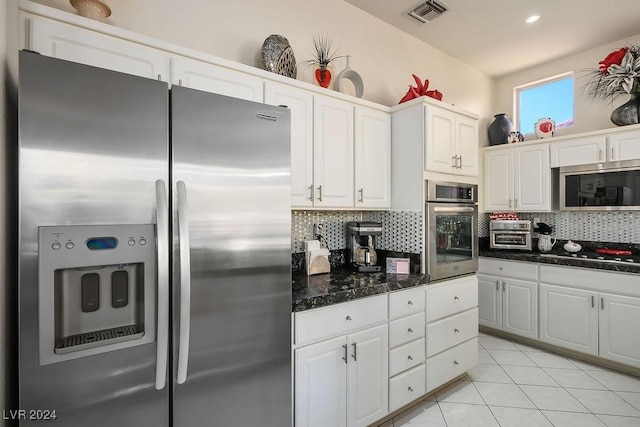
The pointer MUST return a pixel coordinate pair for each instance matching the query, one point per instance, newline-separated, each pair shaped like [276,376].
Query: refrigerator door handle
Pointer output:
[185,283]
[162,231]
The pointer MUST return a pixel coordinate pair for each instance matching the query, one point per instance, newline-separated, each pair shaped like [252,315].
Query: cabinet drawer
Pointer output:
[339,319]
[499,267]
[406,329]
[451,297]
[451,363]
[406,387]
[406,302]
[406,356]
[451,331]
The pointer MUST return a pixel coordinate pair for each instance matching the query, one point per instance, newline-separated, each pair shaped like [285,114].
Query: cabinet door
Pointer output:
[532,178]
[440,140]
[569,318]
[84,46]
[367,376]
[300,102]
[624,146]
[619,339]
[372,158]
[498,180]
[213,78]
[582,151]
[489,301]
[467,145]
[333,153]
[520,307]
[321,384]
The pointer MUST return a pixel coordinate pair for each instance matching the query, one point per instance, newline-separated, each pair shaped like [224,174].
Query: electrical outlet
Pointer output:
[317,231]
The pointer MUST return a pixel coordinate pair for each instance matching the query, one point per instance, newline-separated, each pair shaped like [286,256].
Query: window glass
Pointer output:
[548,98]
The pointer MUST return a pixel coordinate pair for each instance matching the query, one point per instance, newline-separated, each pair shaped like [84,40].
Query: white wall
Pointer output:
[589,114]
[384,56]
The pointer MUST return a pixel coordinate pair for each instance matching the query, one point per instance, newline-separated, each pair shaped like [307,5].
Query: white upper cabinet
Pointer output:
[333,153]
[451,144]
[213,78]
[517,178]
[372,158]
[300,102]
[584,150]
[63,41]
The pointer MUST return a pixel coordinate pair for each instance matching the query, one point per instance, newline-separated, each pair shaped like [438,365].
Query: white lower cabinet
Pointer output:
[619,320]
[574,313]
[342,380]
[508,296]
[451,330]
[407,346]
[451,363]
[569,318]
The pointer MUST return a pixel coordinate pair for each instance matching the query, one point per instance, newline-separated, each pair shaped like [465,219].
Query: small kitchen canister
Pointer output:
[545,127]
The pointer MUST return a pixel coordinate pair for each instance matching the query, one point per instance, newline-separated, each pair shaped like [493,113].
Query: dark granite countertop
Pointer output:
[343,284]
[537,256]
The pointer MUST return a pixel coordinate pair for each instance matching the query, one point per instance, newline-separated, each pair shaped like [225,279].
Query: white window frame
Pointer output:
[541,82]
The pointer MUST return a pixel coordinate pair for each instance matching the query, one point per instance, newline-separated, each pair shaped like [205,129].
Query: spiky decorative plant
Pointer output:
[617,74]
[323,53]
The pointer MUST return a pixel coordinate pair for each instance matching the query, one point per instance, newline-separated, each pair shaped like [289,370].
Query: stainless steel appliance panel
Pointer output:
[92,143]
[232,242]
[510,234]
[452,239]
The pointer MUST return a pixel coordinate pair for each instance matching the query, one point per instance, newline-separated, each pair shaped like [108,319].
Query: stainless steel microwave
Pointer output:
[602,186]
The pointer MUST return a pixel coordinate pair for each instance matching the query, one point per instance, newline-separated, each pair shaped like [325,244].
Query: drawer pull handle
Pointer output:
[455,362]
[410,389]
[410,302]
[344,346]
[410,330]
[456,330]
[348,318]
[355,350]
[410,357]
[456,298]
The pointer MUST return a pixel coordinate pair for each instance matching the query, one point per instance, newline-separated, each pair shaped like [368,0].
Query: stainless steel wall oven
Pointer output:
[451,225]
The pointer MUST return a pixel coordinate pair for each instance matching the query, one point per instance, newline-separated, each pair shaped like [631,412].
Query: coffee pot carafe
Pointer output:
[361,245]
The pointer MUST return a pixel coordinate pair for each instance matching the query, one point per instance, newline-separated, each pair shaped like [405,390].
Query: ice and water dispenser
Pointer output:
[97,289]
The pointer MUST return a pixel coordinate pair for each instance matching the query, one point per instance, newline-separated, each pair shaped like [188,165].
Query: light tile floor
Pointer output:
[522,386]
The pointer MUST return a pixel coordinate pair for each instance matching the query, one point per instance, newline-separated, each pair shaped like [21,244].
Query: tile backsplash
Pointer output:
[601,226]
[402,230]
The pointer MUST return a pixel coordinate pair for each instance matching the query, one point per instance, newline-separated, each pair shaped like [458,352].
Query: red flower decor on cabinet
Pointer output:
[420,90]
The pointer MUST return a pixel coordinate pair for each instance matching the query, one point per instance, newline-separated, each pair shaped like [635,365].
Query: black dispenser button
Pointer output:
[119,289]
[90,292]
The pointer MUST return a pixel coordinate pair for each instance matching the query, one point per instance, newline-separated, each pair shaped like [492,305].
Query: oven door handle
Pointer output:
[454,209]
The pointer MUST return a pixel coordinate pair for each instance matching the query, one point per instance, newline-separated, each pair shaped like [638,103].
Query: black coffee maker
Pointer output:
[361,245]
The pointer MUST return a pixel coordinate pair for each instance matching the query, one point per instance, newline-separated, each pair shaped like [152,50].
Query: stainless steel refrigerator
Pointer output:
[154,253]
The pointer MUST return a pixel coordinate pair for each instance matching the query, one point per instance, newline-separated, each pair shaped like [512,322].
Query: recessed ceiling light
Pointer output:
[532,19]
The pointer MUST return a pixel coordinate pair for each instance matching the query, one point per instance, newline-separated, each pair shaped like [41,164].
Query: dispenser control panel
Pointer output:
[97,289]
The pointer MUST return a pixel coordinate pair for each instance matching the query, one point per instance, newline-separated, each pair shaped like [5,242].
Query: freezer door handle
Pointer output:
[162,230]
[185,283]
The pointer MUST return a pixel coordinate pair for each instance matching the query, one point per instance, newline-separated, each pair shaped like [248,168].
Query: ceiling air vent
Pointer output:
[428,11]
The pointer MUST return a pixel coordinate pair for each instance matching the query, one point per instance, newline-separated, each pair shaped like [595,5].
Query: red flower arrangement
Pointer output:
[420,90]
[617,74]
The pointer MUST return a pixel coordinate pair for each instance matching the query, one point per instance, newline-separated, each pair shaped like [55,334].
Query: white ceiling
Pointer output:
[492,36]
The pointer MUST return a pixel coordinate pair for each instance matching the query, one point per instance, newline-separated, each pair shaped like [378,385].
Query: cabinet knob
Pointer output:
[410,357]
[410,330]
[348,318]
[410,389]
[455,362]
[457,331]
[456,298]
[410,302]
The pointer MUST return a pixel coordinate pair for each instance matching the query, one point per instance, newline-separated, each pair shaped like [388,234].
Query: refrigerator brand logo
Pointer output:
[266,117]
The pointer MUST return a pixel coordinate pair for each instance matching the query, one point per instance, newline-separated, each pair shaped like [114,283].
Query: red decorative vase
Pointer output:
[322,76]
